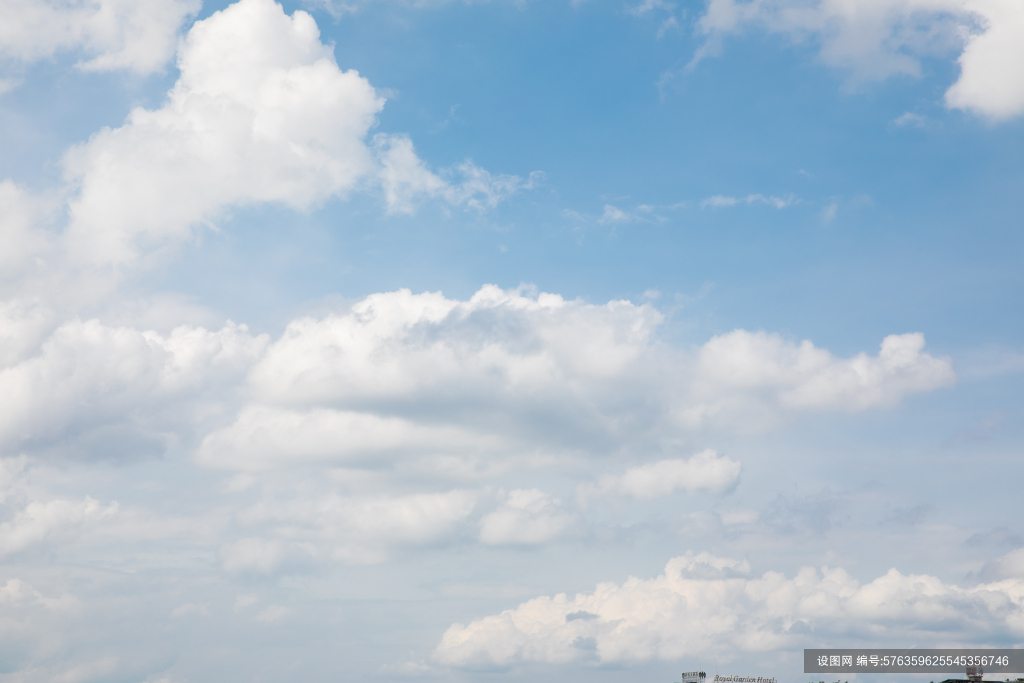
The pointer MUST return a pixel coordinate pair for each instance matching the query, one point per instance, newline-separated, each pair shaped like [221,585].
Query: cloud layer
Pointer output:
[704,604]
[497,381]
[414,403]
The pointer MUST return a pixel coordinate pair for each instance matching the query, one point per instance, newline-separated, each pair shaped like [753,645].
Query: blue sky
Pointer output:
[506,340]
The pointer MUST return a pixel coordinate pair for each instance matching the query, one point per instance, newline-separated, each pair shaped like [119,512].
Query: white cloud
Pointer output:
[1006,567]
[404,176]
[351,529]
[706,605]
[527,517]
[346,387]
[507,377]
[407,180]
[38,521]
[647,5]
[613,214]
[17,593]
[261,437]
[777,202]
[22,241]
[91,382]
[706,471]
[23,327]
[503,380]
[15,590]
[260,113]
[991,79]
[30,622]
[110,34]
[479,189]
[750,372]
[666,26]
[10,472]
[876,39]
[719,201]
[9,84]
[909,119]
[398,345]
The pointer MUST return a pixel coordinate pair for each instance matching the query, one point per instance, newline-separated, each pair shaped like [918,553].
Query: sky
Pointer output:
[507,340]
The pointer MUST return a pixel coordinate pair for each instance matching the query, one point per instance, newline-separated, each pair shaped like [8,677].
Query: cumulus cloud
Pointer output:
[1006,567]
[991,79]
[527,517]
[499,381]
[704,604]
[110,34]
[399,344]
[429,373]
[260,113]
[876,39]
[706,471]
[762,371]
[506,376]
